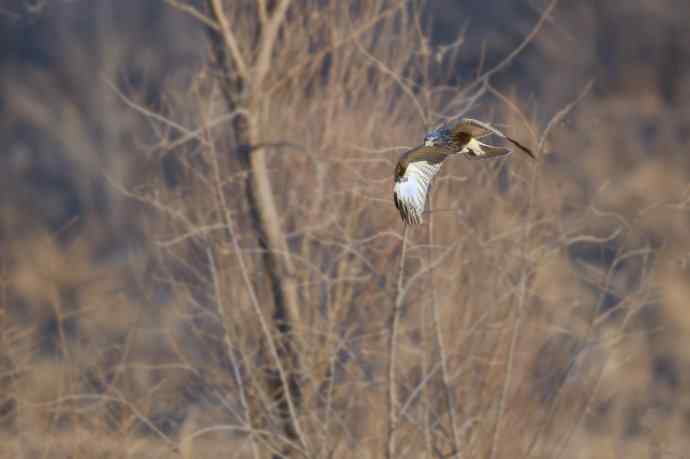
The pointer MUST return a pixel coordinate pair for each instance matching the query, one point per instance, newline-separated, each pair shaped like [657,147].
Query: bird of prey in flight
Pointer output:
[418,166]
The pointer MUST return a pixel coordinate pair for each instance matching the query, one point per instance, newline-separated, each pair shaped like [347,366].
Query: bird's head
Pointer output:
[439,137]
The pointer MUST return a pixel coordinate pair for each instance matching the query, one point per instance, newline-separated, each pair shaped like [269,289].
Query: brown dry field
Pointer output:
[544,306]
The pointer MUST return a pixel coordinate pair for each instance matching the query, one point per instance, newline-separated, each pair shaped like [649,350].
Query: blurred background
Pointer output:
[559,290]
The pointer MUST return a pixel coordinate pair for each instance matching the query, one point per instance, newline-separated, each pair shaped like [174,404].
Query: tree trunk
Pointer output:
[278,266]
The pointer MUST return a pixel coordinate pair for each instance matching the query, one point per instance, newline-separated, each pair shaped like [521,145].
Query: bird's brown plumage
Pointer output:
[432,155]
[477,129]
[417,167]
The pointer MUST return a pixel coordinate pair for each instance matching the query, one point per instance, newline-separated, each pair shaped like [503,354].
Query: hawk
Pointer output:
[418,166]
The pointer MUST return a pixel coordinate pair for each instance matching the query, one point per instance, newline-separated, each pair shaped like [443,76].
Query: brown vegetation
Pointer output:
[201,258]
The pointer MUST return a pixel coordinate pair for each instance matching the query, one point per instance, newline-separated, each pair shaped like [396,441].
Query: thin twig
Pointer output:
[394,321]
[146,112]
[517,326]
[397,78]
[230,349]
[295,69]
[562,113]
[269,33]
[513,54]
[257,307]
[441,344]
[193,12]
[229,38]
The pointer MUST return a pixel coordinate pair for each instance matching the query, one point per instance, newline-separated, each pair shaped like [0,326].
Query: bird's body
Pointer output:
[418,166]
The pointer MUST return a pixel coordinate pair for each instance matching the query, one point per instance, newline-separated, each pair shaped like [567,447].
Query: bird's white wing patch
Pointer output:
[410,192]
[478,150]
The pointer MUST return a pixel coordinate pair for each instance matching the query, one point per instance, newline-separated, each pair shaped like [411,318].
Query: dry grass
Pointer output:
[137,317]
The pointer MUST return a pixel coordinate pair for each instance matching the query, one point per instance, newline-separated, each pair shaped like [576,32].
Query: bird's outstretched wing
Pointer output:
[409,193]
[478,129]
[479,150]
[475,128]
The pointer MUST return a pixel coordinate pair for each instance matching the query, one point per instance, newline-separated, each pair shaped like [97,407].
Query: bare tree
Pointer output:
[237,279]
[241,79]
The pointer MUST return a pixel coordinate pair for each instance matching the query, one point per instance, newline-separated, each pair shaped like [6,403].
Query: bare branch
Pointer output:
[229,38]
[293,71]
[513,54]
[397,78]
[190,10]
[439,338]
[148,113]
[394,321]
[269,33]
[562,113]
